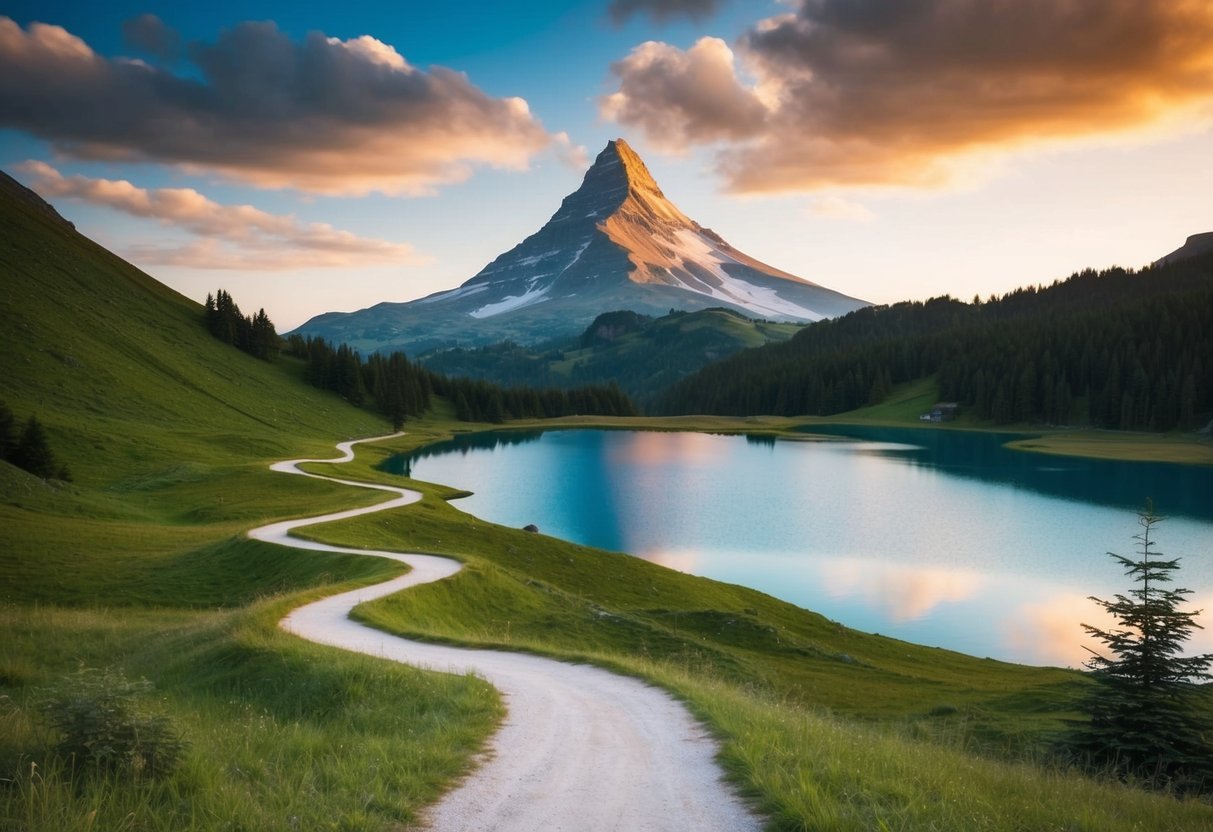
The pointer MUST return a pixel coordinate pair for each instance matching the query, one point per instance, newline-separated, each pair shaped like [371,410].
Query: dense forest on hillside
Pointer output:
[401,388]
[1114,349]
[642,354]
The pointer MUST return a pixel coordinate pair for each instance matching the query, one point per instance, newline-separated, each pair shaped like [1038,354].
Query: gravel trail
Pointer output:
[580,749]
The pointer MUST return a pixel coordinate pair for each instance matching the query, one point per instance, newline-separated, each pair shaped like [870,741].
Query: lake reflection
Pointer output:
[937,537]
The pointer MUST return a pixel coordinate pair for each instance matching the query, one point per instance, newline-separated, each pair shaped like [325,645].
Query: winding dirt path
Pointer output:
[580,749]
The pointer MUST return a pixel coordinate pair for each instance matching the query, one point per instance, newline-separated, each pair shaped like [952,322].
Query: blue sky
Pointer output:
[888,149]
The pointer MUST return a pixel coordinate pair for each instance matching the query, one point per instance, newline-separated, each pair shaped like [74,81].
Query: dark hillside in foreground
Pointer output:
[1112,349]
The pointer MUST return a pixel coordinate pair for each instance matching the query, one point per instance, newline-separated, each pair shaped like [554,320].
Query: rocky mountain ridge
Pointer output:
[1194,246]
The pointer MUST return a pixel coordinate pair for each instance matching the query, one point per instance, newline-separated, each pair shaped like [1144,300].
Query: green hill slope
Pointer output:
[167,431]
[140,566]
[121,369]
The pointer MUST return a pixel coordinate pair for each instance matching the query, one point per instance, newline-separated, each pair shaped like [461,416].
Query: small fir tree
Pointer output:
[33,451]
[1142,724]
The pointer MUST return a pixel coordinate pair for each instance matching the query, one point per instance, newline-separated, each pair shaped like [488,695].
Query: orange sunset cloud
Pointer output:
[916,92]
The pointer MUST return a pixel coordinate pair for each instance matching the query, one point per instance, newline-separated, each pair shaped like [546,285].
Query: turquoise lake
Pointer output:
[944,538]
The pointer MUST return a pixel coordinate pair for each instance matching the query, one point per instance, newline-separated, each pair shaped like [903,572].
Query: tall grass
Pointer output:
[283,734]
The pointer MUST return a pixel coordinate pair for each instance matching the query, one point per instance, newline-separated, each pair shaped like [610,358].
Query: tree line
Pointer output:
[29,449]
[402,388]
[1116,349]
[254,334]
[399,388]
[641,354]
[477,400]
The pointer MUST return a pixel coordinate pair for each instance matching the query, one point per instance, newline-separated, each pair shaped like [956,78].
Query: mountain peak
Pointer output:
[616,243]
[634,168]
[618,181]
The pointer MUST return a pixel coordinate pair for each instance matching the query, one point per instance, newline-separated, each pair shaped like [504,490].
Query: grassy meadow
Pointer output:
[140,566]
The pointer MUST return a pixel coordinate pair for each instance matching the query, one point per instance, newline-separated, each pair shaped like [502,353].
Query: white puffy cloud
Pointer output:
[321,115]
[233,236]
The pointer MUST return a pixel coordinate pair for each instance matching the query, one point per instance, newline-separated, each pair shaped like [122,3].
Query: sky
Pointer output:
[313,157]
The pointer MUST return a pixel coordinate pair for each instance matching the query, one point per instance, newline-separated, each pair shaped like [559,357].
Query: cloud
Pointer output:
[835,207]
[149,34]
[234,236]
[663,10]
[681,98]
[900,591]
[322,115]
[573,155]
[914,92]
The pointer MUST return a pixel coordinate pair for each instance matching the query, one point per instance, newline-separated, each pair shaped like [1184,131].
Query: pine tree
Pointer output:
[1142,724]
[33,451]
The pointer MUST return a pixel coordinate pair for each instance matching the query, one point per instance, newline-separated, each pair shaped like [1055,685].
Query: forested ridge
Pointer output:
[1118,348]
[641,354]
[400,388]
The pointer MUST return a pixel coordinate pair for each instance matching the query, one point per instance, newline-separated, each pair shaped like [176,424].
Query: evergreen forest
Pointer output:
[1119,349]
[400,388]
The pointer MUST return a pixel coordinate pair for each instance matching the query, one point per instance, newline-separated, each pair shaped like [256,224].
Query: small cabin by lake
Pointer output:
[941,412]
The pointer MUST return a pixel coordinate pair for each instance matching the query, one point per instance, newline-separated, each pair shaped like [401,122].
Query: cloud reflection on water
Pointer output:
[902,592]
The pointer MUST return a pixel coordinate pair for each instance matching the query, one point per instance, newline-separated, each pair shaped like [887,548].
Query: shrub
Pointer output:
[102,728]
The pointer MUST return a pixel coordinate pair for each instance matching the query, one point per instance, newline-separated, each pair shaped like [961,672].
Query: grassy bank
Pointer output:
[155,579]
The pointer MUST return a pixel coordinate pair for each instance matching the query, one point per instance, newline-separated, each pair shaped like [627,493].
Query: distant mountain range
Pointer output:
[616,243]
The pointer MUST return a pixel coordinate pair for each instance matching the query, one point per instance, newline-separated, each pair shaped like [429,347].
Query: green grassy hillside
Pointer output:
[141,566]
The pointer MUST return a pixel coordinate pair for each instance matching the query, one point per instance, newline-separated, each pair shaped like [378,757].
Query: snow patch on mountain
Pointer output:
[692,249]
[511,303]
[577,256]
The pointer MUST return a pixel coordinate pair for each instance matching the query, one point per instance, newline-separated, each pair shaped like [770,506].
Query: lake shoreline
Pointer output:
[874,527]
[1086,443]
